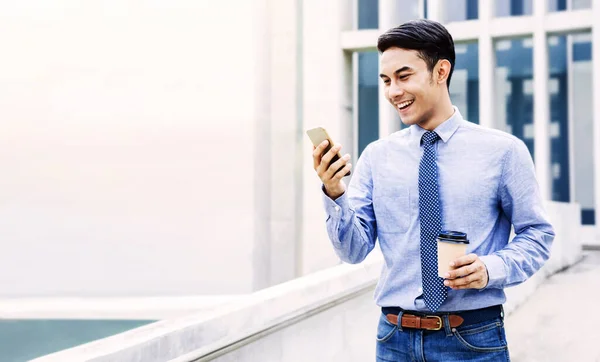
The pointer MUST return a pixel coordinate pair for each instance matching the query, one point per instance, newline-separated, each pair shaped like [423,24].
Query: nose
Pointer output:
[395,92]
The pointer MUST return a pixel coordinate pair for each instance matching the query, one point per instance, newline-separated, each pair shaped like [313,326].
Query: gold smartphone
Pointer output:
[317,136]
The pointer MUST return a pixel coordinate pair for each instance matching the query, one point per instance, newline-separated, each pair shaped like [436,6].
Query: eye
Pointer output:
[404,77]
[386,81]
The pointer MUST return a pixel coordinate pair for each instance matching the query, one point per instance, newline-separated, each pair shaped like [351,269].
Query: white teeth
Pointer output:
[405,104]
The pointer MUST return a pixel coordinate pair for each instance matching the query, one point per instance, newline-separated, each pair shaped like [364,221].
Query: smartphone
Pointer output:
[318,135]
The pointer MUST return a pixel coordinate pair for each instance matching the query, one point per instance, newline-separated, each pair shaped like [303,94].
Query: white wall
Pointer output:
[127,147]
[327,103]
[160,149]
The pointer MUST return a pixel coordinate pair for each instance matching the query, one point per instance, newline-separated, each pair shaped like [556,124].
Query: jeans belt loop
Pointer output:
[400,321]
[447,326]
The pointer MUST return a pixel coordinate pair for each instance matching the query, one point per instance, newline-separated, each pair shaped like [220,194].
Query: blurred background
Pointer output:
[154,158]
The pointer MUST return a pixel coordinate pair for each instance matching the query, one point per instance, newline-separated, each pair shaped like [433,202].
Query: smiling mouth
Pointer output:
[404,105]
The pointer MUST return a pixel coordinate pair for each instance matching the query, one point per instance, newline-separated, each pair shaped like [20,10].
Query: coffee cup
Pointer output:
[451,245]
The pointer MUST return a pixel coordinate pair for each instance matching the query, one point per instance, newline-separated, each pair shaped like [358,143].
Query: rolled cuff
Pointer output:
[496,271]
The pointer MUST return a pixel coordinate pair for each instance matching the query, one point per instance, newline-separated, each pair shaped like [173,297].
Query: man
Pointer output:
[441,173]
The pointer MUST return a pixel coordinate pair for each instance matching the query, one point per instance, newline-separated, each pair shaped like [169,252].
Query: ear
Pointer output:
[441,71]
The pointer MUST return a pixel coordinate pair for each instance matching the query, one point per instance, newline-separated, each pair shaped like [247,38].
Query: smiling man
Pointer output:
[441,173]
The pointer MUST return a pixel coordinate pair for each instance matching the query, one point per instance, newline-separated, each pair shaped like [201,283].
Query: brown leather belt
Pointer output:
[432,322]
[411,319]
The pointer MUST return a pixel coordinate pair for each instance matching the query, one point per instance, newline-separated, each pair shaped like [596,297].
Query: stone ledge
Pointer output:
[204,333]
[246,321]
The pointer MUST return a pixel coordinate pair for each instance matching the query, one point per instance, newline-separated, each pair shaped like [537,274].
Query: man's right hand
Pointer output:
[334,186]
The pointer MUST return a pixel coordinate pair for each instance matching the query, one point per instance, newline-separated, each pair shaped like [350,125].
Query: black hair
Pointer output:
[430,39]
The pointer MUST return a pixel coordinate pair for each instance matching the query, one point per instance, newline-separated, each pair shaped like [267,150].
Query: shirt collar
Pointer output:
[445,130]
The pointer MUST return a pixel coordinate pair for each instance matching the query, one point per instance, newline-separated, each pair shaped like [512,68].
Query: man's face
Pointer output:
[408,85]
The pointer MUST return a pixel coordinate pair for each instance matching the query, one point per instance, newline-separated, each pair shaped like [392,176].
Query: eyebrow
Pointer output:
[398,71]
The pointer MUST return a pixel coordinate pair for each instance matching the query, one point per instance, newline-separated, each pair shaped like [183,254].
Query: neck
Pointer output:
[441,114]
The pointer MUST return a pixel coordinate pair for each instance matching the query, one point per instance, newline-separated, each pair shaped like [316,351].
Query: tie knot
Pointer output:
[429,137]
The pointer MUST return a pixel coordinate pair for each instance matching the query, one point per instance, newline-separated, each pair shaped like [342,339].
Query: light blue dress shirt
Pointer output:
[487,182]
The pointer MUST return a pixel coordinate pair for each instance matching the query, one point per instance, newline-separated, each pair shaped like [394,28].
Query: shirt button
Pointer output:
[337,208]
[420,290]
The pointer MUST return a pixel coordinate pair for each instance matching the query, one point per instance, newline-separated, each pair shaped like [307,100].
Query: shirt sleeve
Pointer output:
[351,222]
[522,203]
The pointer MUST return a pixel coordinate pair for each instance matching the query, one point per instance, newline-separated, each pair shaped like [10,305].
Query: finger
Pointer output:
[337,165]
[318,152]
[340,175]
[326,158]
[323,145]
[470,281]
[463,260]
[324,165]
[461,272]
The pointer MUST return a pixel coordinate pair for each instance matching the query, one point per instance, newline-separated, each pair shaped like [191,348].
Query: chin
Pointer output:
[407,124]
[408,121]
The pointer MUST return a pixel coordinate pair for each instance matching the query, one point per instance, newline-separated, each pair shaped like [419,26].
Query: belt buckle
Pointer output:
[439,321]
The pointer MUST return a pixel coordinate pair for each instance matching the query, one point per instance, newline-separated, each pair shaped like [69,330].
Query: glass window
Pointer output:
[401,11]
[561,5]
[557,5]
[513,7]
[559,123]
[459,10]
[581,4]
[368,99]
[367,14]
[514,88]
[570,92]
[464,85]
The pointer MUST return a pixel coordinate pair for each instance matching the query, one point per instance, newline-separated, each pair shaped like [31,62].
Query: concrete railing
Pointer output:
[326,316]
[256,319]
[566,251]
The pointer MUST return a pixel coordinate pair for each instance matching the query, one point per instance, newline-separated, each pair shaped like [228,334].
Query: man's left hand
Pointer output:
[467,272]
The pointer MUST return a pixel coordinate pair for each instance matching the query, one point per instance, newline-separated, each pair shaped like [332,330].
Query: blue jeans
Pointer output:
[485,341]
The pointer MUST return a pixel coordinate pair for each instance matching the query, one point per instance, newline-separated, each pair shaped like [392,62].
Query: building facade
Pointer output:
[160,148]
[524,67]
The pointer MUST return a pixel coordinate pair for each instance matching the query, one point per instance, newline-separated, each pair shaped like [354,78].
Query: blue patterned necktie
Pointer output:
[430,215]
